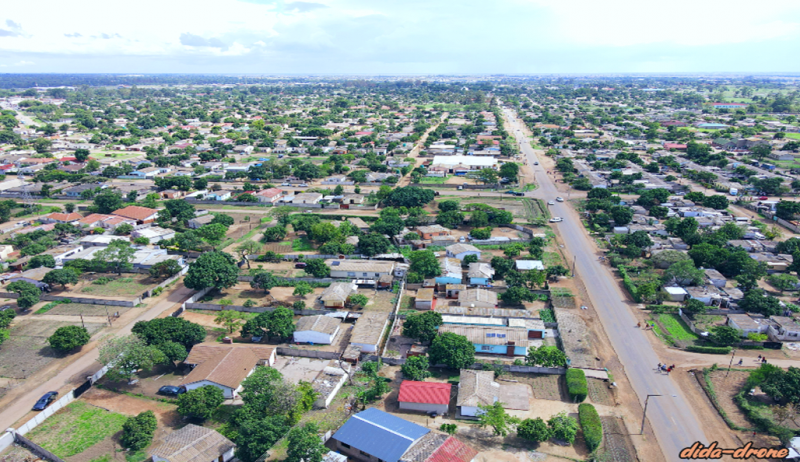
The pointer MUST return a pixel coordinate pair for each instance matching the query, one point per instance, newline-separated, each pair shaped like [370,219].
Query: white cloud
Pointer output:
[19,64]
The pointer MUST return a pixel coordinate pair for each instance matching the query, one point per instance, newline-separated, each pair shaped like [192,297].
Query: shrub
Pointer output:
[709,349]
[248,303]
[576,385]
[629,285]
[157,291]
[591,425]
[450,429]
[137,432]
[67,338]
[101,281]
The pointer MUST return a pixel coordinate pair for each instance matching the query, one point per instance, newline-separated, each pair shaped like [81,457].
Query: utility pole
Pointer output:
[644,414]
[733,353]
[574,261]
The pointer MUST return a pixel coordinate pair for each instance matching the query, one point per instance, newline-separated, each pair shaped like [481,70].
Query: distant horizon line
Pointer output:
[486,74]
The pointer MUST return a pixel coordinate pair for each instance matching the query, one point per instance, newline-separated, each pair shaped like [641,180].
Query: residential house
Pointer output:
[784,329]
[480,274]
[498,340]
[461,251]
[225,371]
[426,397]
[454,290]
[336,295]
[477,298]
[425,299]
[202,351]
[451,271]
[359,223]
[374,435]
[320,330]
[436,447]
[142,215]
[76,191]
[270,195]
[154,234]
[370,269]
[172,194]
[200,221]
[193,443]
[428,232]
[307,198]
[61,217]
[716,278]
[221,195]
[708,294]
[677,294]
[368,330]
[528,265]
[747,324]
[475,389]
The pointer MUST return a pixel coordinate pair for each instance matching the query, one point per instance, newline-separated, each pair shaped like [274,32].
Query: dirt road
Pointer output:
[673,420]
[17,403]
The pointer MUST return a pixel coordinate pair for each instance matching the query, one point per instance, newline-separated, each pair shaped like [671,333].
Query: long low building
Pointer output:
[508,341]
[368,331]
[360,268]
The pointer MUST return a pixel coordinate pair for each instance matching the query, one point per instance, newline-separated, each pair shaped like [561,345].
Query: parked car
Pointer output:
[551,203]
[45,401]
[556,220]
[763,198]
[511,191]
[285,184]
[536,163]
[560,199]
[169,390]
[300,264]
[303,185]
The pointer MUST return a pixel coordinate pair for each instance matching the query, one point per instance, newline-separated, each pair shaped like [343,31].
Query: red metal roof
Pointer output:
[452,450]
[424,392]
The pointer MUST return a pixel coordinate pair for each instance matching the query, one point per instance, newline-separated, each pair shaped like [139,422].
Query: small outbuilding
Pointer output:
[424,396]
[316,329]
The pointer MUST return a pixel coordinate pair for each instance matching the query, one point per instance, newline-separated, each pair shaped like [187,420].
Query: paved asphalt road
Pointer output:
[86,365]
[675,424]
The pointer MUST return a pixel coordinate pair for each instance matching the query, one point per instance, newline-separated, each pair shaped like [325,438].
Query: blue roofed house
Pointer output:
[480,274]
[374,435]
[451,271]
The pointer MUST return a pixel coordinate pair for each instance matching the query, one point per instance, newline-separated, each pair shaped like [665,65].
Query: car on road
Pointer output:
[560,199]
[169,390]
[45,401]
[763,198]
[303,185]
[556,220]
[285,184]
[510,191]
[300,264]
[551,203]
[536,163]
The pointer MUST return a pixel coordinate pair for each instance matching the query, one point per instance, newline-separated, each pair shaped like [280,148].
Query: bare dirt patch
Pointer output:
[77,309]
[544,386]
[150,381]
[123,287]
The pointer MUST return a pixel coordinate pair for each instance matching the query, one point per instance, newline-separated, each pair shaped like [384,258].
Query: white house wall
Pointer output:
[424,407]
[226,391]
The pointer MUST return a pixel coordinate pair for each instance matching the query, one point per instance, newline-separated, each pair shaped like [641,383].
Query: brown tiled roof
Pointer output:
[369,328]
[204,351]
[65,216]
[135,212]
[323,324]
[228,368]
[192,443]
[476,388]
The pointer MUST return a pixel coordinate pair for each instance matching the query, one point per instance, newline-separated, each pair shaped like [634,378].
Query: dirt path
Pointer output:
[406,180]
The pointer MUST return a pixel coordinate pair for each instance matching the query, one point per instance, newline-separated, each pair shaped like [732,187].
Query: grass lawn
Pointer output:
[302,245]
[433,180]
[76,428]
[795,136]
[552,259]
[676,327]
[117,288]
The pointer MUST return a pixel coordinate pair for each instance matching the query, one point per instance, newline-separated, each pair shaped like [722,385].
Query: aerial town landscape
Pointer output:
[300,231]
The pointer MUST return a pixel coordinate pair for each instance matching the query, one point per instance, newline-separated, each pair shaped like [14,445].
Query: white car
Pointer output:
[556,220]
[551,203]
[560,199]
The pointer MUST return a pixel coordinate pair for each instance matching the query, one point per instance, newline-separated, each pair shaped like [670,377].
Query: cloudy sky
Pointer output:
[400,36]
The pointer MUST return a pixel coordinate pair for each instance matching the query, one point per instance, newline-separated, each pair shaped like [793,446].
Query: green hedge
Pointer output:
[576,385]
[591,425]
[709,349]
[661,309]
[629,285]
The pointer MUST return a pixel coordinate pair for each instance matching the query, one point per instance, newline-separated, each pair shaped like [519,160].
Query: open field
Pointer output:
[77,309]
[127,286]
[27,351]
[76,428]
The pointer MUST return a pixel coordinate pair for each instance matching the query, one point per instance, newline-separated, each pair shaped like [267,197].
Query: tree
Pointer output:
[174,351]
[256,434]
[232,320]
[453,350]
[81,155]
[201,402]
[282,213]
[659,212]
[165,269]
[516,295]
[126,355]
[317,268]
[452,219]
[28,294]
[424,262]
[324,232]
[180,210]
[279,323]
[449,206]
[373,244]
[716,201]
[108,201]
[274,234]
[248,248]
[213,233]
[41,260]
[422,326]
[222,219]
[686,227]
[535,430]
[123,229]
[760,151]
[67,338]
[622,215]
[501,266]
[416,368]
[60,276]
[495,416]
[725,335]
[783,282]
[302,288]
[787,209]
[118,254]
[509,171]
[358,301]
[409,196]
[546,356]
[481,233]
[756,301]
[305,444]
[488,175]
[685,273]
[563,427]
[138,431]
[694,307]
[215,269]
[638,238]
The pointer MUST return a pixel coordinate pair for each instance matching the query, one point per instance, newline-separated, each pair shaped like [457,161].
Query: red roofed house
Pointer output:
[269,195]
[140,214]
[61,217]
[424,396]
[678,146]
[452,450]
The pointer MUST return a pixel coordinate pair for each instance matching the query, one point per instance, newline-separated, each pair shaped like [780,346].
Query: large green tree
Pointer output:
[215,270]
[305,444]
[200,403]
[68,338]
[138,431]
[453,350]
[422,326]
[117,256]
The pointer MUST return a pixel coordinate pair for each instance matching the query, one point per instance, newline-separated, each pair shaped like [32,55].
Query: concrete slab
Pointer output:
[296,369]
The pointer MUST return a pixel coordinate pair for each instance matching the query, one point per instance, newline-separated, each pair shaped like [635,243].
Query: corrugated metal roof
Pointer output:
[424,392]
[452,450]
[380,434]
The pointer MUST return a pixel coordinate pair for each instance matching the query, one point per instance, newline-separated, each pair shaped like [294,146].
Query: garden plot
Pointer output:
[575,338]
[544,386]
[599,392]
[673,330]
[77,309]
[77,428]
[617,445]
[129,285]
[26,351]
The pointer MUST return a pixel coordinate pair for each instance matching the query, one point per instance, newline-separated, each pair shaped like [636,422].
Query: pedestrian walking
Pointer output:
[659,367]
[759,358]
[740,361]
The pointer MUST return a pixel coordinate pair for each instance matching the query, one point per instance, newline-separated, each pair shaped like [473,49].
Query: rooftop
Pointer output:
[192,443]
[424,392]
[380,434]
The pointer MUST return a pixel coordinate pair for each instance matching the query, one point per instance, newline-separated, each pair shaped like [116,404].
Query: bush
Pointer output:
[101,281]
[67,338]
[576,385]
[450,429]
[629,285]
[591,425]
[709,349]
[200,403]
[137,432]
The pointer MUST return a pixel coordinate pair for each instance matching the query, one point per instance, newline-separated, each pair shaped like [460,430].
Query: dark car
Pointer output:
[300,264]
[45,401]
[169,390]
[510,191]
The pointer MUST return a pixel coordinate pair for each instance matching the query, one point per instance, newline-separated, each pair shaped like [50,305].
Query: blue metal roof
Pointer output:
[380,434]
